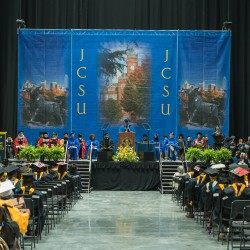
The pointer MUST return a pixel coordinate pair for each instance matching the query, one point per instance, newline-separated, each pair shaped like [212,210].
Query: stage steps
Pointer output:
[83,168]
[168,169]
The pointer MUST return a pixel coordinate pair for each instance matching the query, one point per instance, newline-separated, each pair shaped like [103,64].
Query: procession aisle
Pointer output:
[127,220]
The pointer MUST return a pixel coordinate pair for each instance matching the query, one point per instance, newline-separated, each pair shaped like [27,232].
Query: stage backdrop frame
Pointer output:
[78,80]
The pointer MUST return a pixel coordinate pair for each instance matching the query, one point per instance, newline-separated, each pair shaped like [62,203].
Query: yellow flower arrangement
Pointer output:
[125,153]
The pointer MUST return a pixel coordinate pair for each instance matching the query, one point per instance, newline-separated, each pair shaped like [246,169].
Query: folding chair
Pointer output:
[235,222]
[224,217]
[245,229]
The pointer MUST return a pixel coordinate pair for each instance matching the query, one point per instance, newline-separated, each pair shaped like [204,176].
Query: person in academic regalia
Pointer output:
[198,142]
[238,190]
[144,138]
[3,174]
[82,150]
[193,188]
[39,170]
[95,146]
[126,127]
[163,146]
[73,147]
[54,141]
[156,141]
[37,140]
[28,188]
[20,142]
[21,219]
[9,147]
[64,140]
[44,142]
[106,144]
[14,176]
[181,147]
[171,147]
[189,141]
[219,138]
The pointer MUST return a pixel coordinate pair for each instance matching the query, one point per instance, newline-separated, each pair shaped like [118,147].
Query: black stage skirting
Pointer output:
[127,176]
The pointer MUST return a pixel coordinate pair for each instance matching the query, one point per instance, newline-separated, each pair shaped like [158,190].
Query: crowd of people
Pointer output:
[27,181]
[77,148]
[168,148]
[211,189]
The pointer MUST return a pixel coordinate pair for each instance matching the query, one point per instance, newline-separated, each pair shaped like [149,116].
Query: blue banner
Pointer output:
[82,80]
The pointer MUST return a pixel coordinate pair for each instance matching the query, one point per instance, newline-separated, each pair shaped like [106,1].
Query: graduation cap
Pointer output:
[2,170]
[233,166]
[11,168]
[62,166]
[211,171]
[197,168]
[24,169]
[38,164]
[6,188]
[200,167]
[230,139]
[61,163]
[126,119]
[218,166]
[28,179]
[245,166]
[240,171]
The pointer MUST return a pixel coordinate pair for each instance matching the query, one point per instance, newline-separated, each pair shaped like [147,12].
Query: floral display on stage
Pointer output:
[125,154]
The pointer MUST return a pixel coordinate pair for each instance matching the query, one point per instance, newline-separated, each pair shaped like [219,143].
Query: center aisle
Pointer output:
[127,220]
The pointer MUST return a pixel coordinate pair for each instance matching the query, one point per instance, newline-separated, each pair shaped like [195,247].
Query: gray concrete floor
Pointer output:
[107,220]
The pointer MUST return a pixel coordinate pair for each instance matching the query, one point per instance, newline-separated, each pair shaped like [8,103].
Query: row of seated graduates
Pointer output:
[207,192]
[53,190]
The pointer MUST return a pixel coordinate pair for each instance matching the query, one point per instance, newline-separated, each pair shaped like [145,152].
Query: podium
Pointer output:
[146,151]
[126,138]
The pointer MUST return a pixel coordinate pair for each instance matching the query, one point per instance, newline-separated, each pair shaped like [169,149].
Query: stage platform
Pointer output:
[126,176]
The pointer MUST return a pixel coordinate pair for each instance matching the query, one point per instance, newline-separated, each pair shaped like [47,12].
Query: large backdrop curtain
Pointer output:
[128,14]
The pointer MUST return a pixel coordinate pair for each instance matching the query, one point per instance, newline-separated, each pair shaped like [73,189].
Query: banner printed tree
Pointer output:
[111,63]
[111,110]
[135,98]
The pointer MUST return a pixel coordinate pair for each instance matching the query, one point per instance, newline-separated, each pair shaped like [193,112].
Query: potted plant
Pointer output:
[29,153]
[193,154]
[43,153]
[207,155]
[222,155]
[125,154]
[56,153]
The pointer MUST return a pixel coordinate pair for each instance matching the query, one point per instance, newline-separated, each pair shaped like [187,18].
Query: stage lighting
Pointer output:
[20,23]
[227,26]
